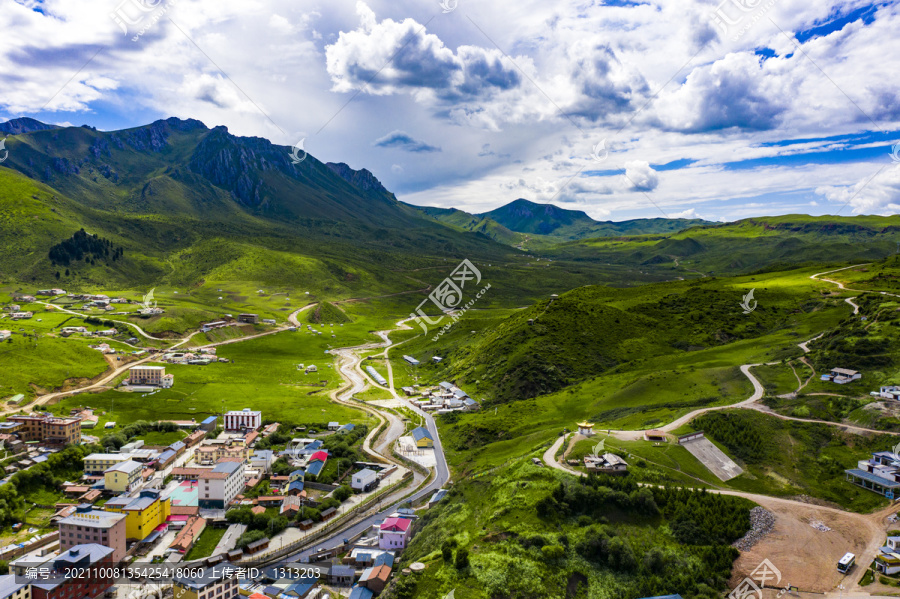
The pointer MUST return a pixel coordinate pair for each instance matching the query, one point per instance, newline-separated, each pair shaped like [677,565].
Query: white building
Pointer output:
[239,420]
[220,485]
[364,480]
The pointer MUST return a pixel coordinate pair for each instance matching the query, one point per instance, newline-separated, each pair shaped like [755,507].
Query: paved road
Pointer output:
[757,394]
[350,369]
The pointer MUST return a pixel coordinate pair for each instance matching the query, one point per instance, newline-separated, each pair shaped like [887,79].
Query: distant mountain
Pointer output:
[23,125]
[177,187]
[552,223]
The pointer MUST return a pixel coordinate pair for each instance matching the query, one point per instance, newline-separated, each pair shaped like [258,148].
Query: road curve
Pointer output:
[350,369]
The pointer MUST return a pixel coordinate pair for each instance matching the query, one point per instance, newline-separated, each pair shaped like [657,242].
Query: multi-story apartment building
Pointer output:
[241,420]
[48,429]
[143,514]
[220,485]
[88,525]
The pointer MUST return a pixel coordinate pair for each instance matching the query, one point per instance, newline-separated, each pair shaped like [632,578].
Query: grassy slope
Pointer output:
[264,376]
[600,329]
[747,245]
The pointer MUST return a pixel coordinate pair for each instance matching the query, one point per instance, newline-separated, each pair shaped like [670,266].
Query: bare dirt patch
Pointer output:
[807,557]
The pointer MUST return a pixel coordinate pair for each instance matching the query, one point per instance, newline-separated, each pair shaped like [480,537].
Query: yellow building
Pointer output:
[98,463]
[142,513]
[422,437]
[123,477]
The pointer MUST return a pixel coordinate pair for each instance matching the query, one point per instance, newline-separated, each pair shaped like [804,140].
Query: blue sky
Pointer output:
[622,109]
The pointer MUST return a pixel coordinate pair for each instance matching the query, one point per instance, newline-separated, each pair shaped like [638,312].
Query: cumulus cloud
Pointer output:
[404,141]
[875,194]
[392,57]
[641,176]
[732,92]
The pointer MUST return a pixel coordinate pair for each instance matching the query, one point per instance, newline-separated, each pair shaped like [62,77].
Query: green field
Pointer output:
[206,543]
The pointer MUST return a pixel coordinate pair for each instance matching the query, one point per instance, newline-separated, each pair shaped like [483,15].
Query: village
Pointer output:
[151,505]
[243,503]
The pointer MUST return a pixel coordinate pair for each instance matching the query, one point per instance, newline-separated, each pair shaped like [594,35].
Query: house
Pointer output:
[333,426]
[375,578]
[411,360]
[842,376]
[242,420]
[292,504]
[206,582]
[143,514]
[347,428]
[214,451]
[123,477]
[248,318]
[87,525]
[422,437]
[436,359]
[220,485]
[608,462]
[376,376]
[262,460]
[209,424]
[880,473]
[394,533]
[358,592]
[887,561]
[365,480]
[340,575]
[189,535]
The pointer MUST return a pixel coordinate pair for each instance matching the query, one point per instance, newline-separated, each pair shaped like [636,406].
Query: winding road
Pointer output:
[873,523]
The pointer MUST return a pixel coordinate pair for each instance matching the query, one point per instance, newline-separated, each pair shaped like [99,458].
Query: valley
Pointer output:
[478,367]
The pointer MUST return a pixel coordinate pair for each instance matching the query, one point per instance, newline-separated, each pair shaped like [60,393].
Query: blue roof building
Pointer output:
[359,592]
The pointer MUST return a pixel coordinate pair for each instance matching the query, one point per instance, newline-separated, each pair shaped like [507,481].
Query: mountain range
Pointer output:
[188,204]
[552,223]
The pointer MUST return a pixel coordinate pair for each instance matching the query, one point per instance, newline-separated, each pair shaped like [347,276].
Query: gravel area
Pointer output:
[761,523]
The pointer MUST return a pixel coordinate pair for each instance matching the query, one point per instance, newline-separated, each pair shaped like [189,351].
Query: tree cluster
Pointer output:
[84,246]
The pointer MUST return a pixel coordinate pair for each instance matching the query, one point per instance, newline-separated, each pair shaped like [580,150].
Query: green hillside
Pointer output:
[745,246]
[558,342]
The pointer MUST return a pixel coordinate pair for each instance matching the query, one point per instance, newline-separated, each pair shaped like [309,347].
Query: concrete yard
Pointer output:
[713,458]
[406,446]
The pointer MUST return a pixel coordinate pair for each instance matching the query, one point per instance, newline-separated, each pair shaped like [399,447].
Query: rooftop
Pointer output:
[93,518]
[127,467]
[208,576]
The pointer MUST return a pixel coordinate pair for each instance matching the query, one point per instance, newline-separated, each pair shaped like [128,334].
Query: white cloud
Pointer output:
[877,194]
[641,176]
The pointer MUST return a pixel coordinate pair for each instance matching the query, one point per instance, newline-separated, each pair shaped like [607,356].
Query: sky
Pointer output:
[623,109]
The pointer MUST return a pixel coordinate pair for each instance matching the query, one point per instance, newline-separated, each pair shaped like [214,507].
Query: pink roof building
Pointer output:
[394,534]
